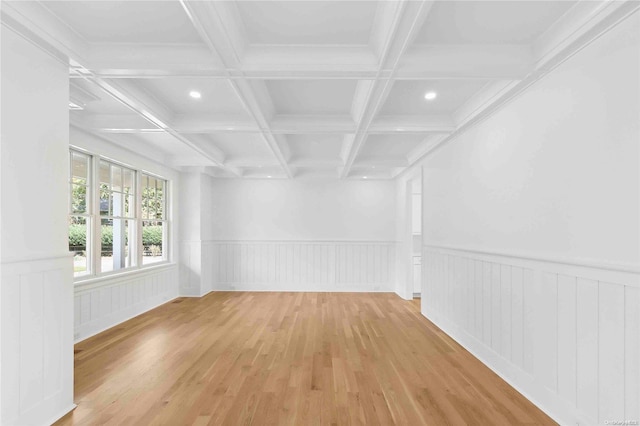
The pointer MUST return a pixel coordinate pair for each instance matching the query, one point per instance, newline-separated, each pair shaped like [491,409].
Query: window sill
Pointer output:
[116,277]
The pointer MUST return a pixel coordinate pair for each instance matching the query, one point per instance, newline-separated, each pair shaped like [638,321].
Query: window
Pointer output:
[80,212]
[117,216]
[153,219]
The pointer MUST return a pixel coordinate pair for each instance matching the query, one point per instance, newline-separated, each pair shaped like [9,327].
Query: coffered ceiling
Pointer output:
[288,89]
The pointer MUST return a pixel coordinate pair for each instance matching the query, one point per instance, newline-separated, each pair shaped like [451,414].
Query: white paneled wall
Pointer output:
[303,265]
[567,336]
[109,302]
[37,367]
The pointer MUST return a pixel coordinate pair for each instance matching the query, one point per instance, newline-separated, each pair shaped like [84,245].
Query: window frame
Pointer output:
[133,248]
[94,218]
[165,219]
[89,210]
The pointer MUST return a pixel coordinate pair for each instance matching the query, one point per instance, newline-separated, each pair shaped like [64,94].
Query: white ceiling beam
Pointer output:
[577,28]
[244,163]
[285,61]
[295,124]
[131,143]
[280,125]
[143,105]
[466,62]
[213,123]
[382,26]
[360,98]
[304,173]
[113,123]
[321,163]
[119,60]
[429,143]
[482,100]
[412,124]
[408,20]
[209,24]
[37,23]
[135,60]
[184,165]
[208,145]
[40,26]
[582,22]
[375,163]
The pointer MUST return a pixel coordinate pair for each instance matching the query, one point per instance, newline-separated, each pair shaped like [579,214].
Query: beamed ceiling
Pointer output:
[299,88]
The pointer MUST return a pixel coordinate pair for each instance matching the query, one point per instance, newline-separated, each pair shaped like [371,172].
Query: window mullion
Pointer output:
[138,218]
[96,241]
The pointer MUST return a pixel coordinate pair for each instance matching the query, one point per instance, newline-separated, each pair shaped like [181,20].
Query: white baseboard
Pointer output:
[85,331]
[524,383]
[314,288]
[566,335]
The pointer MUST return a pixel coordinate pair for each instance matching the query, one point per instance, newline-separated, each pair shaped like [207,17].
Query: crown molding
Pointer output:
[578,28]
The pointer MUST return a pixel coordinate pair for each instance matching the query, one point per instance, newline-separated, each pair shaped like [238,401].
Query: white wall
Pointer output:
[303,210]
[194,205]
[36,316]
[555,173]
[302,235]
[104,302]
[531,226]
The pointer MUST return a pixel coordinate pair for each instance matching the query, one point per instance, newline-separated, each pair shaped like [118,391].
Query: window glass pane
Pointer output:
[110,203]
[144,207]
[104,201]
[116,178]
[79,181]
[153,198]
[117,203]
[152,207]
[105,175]
[152,186]
[160,198]
[78,199]
[153,241]
[147,199]
[79,167]
[78,231]
[116,238]
[127,181]
[129,205]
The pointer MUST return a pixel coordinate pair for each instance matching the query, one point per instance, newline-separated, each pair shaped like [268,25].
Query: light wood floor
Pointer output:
[291,359]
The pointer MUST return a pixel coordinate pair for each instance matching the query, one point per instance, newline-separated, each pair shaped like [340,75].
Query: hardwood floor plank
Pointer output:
[287,359]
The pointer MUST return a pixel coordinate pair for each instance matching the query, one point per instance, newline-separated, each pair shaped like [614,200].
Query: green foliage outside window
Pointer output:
[151,235]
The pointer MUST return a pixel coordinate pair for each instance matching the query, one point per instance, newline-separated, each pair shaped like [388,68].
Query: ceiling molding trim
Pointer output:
[602,18]
[226,53]
[395,45]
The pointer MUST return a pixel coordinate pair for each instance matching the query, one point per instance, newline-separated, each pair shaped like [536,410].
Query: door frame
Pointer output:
[406,291]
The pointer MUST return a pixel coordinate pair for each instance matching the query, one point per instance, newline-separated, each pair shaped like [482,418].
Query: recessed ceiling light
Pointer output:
[269,177]
[364,177]
[195,95]
[430,96]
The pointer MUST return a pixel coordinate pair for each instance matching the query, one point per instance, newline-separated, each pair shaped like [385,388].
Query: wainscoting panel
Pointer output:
[37,340]
[566,335]
[302,265]
[109,302]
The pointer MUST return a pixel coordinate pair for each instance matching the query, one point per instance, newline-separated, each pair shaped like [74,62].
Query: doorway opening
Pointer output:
[416,236]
